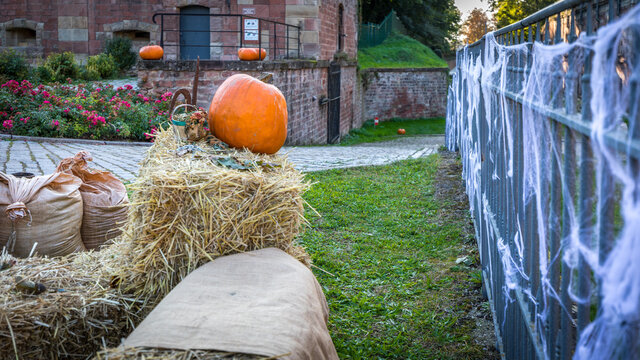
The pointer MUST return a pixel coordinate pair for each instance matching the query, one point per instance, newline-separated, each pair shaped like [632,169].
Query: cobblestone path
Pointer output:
[122,160]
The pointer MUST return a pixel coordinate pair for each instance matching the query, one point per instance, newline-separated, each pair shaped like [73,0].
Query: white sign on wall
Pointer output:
[251,29]
[251,35]
[248,11]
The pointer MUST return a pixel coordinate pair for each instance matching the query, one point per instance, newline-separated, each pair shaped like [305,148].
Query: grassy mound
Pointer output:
[399,51]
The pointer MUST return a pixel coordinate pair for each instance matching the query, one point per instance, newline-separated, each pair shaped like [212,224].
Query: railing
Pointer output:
[374,34]
[280,40]
[545,114]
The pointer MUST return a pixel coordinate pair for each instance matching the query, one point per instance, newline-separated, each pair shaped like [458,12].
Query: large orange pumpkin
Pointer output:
[151,52]
[247,113]
[251,54]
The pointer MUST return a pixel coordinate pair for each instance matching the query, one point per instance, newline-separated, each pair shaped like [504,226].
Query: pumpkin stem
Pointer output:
[266,78]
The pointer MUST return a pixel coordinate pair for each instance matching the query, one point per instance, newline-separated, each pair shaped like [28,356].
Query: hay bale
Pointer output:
[74,316]
[185,211]
[187,208]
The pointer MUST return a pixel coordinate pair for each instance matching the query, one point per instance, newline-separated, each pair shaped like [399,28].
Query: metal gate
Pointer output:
[333,111]
[194,33]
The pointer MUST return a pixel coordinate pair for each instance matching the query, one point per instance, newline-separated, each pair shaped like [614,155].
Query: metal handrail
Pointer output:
[288,29]
[516,317]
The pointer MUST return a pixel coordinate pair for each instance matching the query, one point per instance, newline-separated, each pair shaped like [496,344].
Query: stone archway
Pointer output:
[22,35]
[140,33]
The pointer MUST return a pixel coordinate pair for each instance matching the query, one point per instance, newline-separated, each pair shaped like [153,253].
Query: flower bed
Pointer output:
[87,111]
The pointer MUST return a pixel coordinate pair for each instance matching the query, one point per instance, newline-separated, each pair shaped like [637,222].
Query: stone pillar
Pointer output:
[305,14]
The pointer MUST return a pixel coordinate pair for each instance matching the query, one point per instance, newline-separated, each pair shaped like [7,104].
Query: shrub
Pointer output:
[13,65]
[120,49]
[103,64]
[43,74]
[94,110]
[89,74]
[62,66]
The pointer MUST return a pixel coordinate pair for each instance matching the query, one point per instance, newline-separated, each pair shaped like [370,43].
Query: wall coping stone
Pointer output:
[442,69]
[236,65]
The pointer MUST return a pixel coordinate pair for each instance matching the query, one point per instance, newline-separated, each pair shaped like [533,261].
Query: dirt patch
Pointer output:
[450,192]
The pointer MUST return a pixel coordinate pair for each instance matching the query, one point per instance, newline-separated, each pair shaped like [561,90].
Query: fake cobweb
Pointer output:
[560,209]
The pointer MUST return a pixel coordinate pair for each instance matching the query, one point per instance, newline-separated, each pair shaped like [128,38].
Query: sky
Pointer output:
[466,6]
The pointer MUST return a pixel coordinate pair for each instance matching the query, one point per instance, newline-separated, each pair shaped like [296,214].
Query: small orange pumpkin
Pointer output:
[247,113]
[151,52]
[401,131]
[250,54]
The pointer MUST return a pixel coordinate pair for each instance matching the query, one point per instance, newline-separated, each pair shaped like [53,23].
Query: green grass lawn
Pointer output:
[387,243]
[387,130]
[399,51]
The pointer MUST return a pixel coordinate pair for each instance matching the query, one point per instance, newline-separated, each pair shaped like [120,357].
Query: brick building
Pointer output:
[311,51]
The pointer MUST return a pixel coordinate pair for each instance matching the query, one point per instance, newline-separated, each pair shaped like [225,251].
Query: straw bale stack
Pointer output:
[76,313]
[186,209]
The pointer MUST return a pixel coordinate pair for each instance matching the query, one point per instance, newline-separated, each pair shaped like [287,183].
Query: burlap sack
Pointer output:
[46,210]
[104,200]
[262,302]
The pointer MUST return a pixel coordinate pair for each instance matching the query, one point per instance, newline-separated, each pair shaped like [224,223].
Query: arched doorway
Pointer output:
[194,32]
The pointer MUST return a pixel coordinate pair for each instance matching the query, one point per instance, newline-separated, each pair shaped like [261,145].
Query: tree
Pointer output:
[475,26]
[432,22]
[510,11]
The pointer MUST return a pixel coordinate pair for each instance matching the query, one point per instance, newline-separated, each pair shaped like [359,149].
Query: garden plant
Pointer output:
[90,111]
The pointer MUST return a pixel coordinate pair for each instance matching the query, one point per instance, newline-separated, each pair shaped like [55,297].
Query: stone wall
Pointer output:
[81,26]
[303,84]
[405,93]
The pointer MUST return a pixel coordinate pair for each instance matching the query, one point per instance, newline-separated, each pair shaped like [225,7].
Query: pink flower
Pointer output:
[117,130]
[45,94]
[46,102]
[98,89]
[66,111]
[79,107]
[128,87]
[158,101]
[55,123]
[7,124]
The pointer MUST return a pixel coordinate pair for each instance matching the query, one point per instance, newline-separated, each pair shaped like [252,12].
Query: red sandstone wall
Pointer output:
[82,22]
[329,28]
[299,84]
[405,93]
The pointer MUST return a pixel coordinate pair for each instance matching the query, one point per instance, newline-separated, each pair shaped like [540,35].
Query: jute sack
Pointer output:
[262,302]
[46,210]
[104,200]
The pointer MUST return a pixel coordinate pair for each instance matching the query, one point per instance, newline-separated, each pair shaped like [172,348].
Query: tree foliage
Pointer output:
[432,22]
[510,11]
[475,26]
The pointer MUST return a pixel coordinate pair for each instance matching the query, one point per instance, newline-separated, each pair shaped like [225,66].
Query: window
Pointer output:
[341,34]
[21,37]
[134,35]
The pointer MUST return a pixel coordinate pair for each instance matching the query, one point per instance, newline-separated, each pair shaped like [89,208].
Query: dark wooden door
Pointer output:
[333,118]
[194,32]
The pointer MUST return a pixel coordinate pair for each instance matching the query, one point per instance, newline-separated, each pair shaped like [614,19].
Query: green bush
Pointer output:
[62,66]
[13,65]
[43,74]
[120,49]
[89,74]
[103,64]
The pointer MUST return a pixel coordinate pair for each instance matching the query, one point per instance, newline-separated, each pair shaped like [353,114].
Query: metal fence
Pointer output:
[374,34]
[538,316]
[226,33]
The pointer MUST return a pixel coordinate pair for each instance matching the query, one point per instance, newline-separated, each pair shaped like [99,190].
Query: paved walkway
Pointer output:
[122,160]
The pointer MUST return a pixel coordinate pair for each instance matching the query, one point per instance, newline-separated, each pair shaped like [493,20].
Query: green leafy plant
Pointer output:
[104,64]
[120,49]
[62,66]
[13,65]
